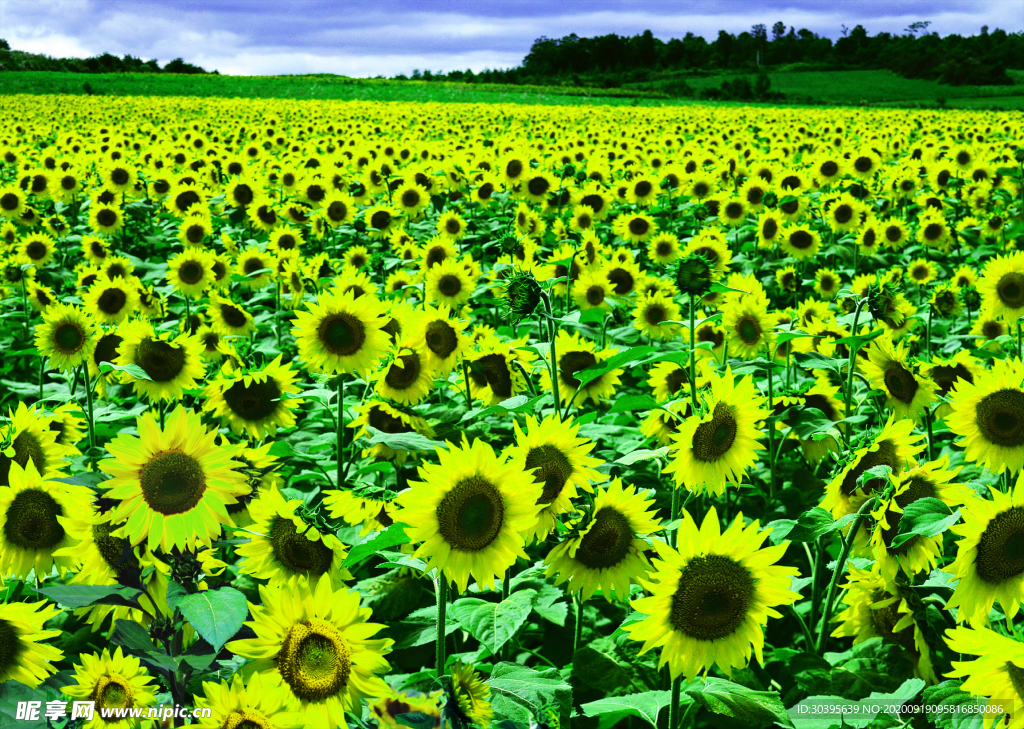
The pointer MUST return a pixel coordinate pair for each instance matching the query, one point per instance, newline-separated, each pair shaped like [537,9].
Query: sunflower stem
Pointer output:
[928,334]
[554,357]
[1018,341]
[341,433]
[42,372]
[826,612]
[771,433]
[88,403]
[673,705]
[928,413]
[853,354]
[188,315]
[577,635]
[465,377]
[441,594]
[693,355]
[24,301]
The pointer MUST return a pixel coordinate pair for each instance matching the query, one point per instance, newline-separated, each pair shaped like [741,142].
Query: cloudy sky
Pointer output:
[396,36]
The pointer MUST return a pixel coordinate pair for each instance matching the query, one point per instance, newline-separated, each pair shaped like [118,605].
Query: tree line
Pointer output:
[14,60]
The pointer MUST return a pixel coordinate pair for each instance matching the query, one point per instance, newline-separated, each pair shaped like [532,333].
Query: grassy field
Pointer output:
[882,87]
[848,88]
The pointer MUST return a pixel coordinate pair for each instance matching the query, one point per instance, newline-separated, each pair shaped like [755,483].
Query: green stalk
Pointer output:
[693,354]
[577,637]
[826,613]
[441,594]
[553,366]
[928,334]
[465,377]
[42,373]
[188,316]
[341,432]
[89,407]
[673,705]
[928,422]
[771,432]
[853,355]
[1018,340]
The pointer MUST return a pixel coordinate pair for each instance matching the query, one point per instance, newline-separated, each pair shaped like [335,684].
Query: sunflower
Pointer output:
[787,279]
[282,545]
[316,642]
[748,326]
[66,421]
[194,230]
[111,300]
[229,318]
[921,272]
[634,227]
[821,396]
[381,220]
[844,214]
[28,434]
[575,354]
[255,267]
[651,311]
[31,508]
[989,328]
[876,608]
[895,446]
[25,658]
[711,599]
[664,248]
[919,554]
[400,283]
[712,245]
[12,201]
[191,272]
[988,415]
[35,248]
[470,512]
[895,233]
[112,682]
[592,291]
[605,549]
[559,460]
[769,228]
[285,240]
[996,674]
[1002,286]
[172,484]
[357,283]
[717,448]
[184,199]
[946,373]
[67,336]
[341,334]
[254,402]
[386,709]
[171,365]
[391,420]
[906,393]
[261,702]
[494,375]
[106,219]
[449,283]
[933,230]
[262,215]
[468,697]
[357,257]
[827,283]
[443,337]
[800,241]
[407,378]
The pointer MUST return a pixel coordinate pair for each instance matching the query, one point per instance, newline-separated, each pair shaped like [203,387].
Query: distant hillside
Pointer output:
[14,60]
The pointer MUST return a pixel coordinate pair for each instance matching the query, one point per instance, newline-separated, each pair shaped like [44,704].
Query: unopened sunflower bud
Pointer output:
[970,296]
[694,275]
[522,293]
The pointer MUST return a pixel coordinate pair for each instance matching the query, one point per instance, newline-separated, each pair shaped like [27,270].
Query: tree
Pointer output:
[914,28]
[778,30]
[4,45]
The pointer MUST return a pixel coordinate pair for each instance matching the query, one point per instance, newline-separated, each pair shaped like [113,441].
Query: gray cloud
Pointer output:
[395,36]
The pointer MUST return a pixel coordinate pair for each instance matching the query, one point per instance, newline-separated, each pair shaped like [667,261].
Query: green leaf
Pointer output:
[404,441]
[752,708]
[881,471]
[822,712]
[722,289]
[493,623]
[633,354]
[174,594]
[642,454]
[807,528]
[420,628]
[416,719]
[78,596]
[519,693]
[633,403]
[926,517]
[757,366]
[808,422]
[215,614]
[818,361]
[645,706]
[130,635]
[132,369]
[515,404]
[953,708]
[390,537]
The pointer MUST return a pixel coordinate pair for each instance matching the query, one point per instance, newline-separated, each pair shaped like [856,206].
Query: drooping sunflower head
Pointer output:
[469,696]
[23,655]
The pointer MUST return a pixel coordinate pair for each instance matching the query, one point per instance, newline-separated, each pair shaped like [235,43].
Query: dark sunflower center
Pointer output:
[161,361]
[470,516]
[1001,547]
[232,316]
[770,228]
[801,240]
[112,301]
[821,403]
[195,233]
[266,215]
[639,226]
[572,362]
[441,338]
[712,599]
[314,660]
[404,372]
[1000,418]
[552,469]
[885,620]
[514,168]
[106,348]
[36,250]
[452,226]
[112,549]
[31,521]
[622,281]
[945,377]
[843,214]
[449,285]
[933,231]
[992,329]
[538,186]
[676,379]
[608,542]
[492,370]
[9,201]
[172,482]
[655,314]
[296,552]
[917,488]
[10,646]
[595,295]
[191,272]
[863,164]
[411,198]
[643,188]
[1011,290]
[893,233]
[900,382]
[337,211]
[749,330]
[713,439]
[106,217]
[341,334]
[68,337]
[255,401]
[789,208]
[884,455]
[380,219]
[829,169]
[734,211]
[386,422]
[435,255]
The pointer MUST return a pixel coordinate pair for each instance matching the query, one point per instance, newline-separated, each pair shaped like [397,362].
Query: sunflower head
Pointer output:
[523,294]
[695,274]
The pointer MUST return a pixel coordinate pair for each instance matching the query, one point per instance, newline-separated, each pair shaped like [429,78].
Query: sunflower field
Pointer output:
[328,414]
